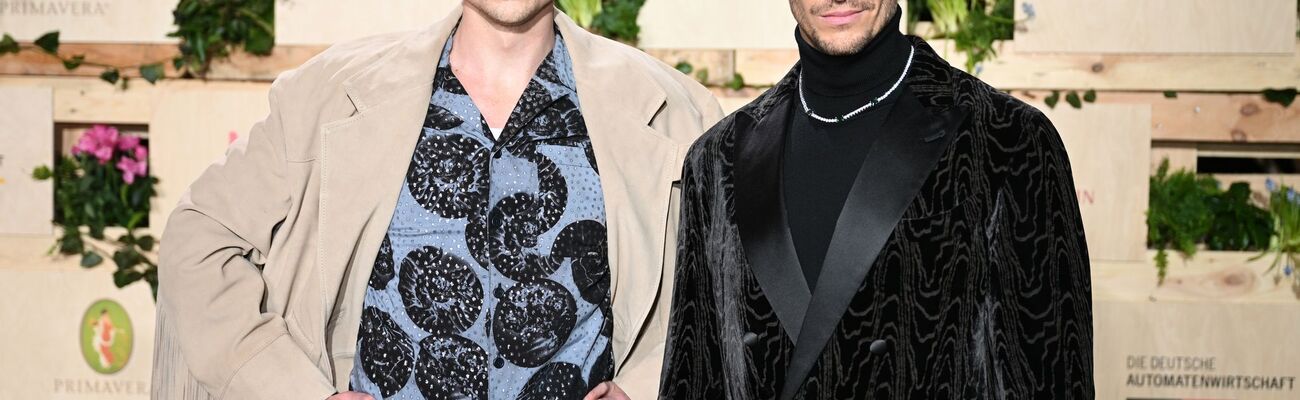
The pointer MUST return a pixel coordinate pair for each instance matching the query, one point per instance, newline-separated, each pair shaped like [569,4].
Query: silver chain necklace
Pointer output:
[851,114]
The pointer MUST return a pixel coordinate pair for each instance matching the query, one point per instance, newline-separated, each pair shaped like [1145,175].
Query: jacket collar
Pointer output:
[413,59]
[364,158]
[913,139]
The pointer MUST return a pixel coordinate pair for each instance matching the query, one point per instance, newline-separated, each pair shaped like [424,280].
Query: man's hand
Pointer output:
[351,396]
[606,391]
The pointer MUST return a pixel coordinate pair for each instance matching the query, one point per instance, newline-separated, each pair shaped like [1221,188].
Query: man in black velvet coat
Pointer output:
[952,265]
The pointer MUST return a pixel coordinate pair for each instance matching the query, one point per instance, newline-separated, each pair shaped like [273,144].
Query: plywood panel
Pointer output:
[717,24]
[317,22]
[191,128]
[1107,144]
[26,141]
[1206,117]
[1157,26]
[44,309]
[1169,350]
[1207,277]
[1133,72]
[146,21]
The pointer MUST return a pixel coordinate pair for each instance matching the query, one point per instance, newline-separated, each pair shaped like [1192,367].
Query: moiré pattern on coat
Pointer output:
[981,291]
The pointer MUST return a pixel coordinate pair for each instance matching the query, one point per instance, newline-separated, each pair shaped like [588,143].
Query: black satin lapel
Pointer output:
[760,217]
[892,174]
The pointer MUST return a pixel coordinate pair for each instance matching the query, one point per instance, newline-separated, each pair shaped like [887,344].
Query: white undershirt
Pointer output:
[496,132]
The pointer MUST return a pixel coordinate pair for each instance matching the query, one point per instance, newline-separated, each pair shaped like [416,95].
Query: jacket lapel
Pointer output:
[363,160]
[365,157]
[761,218]
[637,169]
[894,171]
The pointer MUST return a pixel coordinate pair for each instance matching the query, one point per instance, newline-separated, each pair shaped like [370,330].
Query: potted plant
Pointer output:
[104,183]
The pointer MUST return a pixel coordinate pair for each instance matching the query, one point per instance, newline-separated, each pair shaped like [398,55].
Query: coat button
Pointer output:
[750,338]
[499,363]
[499,292]
[879,347]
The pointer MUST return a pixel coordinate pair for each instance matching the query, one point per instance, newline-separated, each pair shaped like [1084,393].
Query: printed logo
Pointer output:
[106,337]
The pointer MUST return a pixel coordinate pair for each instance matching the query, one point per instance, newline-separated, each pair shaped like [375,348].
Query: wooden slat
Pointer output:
[26,141]
[1167,26]
[1208,277]
[719,63]
[1012,70]
[240,66]
[1181,155]
[89,100]
[1205,117]
[1106,145]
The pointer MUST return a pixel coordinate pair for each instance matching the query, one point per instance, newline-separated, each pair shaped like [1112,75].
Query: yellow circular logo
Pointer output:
[106,337]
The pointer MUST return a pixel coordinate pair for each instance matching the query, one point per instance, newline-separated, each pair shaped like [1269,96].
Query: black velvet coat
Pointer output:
[958,267]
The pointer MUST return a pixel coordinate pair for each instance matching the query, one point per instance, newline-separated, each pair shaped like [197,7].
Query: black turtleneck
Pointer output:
[821,160]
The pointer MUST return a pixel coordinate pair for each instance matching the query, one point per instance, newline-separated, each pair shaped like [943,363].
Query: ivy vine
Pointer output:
[615,19]
[208,31]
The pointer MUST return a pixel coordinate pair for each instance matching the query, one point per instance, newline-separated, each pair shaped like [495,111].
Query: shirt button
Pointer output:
[879,347]
[750,338]
[499,363]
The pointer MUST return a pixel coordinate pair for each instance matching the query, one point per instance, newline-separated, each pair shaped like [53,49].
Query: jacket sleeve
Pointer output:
[210,271]
[1043,286]
[692,359]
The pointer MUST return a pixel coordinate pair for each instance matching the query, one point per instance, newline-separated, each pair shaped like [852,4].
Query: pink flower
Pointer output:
[104,154]
[99,140]
[232,137]
[132,168]
[128,143]
[141,153]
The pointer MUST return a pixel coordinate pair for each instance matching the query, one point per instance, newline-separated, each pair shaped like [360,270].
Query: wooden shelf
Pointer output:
[1011,71]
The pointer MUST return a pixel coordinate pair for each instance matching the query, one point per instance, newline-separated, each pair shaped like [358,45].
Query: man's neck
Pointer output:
[835,84]
[495,62]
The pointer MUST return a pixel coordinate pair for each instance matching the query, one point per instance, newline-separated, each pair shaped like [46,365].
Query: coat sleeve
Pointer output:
[692,359]
[210,272]
[1041,287]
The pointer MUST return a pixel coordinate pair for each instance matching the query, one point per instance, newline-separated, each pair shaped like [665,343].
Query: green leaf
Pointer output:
[1090,96]
[685,67]
[1280,96]
[42,173]
[702,75]
[8,45]
[91,259]
[259,42]
[1073,99]
[1052,99]
[71,242]
[124,277]
[110,75]
[152,72]
[1169,94]
[737,82]
[49,42]
[146,243]
[74,62]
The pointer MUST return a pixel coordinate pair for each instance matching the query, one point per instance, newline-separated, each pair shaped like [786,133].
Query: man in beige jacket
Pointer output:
[481,209]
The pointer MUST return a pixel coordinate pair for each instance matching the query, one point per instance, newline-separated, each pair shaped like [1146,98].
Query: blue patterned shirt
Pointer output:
[492,280]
